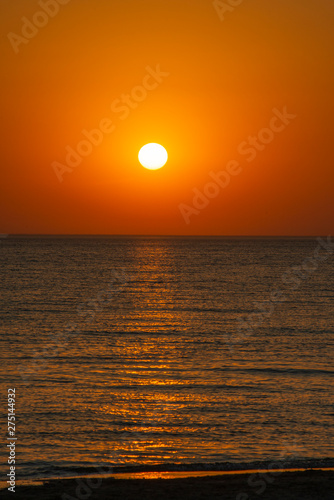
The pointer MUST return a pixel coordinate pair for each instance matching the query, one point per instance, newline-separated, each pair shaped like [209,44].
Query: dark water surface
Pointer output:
[146,351]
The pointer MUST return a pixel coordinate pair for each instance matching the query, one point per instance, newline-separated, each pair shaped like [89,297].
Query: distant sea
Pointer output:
[153,353]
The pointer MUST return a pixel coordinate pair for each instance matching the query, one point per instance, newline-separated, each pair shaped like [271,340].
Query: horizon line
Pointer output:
[116,235]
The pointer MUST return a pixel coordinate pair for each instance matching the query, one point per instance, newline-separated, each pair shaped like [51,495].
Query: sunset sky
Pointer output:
[181,73]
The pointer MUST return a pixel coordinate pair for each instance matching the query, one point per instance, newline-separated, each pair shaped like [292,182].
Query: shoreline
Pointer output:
[148,475]
[173,470]
[309,484]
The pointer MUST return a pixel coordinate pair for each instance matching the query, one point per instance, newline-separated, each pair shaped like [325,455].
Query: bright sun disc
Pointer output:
[153,156]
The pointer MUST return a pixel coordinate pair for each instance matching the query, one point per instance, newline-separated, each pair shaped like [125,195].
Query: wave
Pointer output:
[31,471]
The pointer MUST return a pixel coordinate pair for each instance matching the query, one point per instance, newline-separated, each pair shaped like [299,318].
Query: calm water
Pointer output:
[129,351]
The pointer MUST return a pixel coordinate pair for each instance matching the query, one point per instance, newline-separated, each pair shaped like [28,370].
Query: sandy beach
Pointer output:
[305,485]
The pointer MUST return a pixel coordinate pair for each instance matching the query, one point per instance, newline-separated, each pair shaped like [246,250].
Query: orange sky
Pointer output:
[175,73]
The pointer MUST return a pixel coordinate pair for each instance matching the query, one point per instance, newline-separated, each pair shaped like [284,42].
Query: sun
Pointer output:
[153,156]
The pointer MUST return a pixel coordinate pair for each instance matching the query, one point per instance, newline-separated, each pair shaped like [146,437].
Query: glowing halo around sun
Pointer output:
[153,156]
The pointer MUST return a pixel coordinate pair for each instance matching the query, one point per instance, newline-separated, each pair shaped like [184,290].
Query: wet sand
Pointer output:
[297,485]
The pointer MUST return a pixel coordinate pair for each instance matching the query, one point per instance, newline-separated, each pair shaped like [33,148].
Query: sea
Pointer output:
[166,353]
